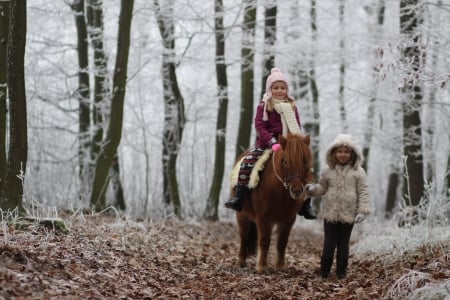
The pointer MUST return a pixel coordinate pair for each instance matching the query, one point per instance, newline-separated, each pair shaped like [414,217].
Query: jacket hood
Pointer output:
[344,139]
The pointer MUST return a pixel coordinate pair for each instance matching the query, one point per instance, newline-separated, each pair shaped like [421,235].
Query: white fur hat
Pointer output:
[345,139]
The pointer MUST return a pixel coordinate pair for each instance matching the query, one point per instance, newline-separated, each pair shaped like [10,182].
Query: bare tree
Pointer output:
[270,37]
[114,132]
[342,66]
[368,134]
[4,25]
[412,61]
[247,76]
[211,211]
[314,127]
[83,95]
[12,186]
[101,79]
[174,113]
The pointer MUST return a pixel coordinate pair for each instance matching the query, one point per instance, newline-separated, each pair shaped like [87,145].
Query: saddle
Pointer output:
[254,175]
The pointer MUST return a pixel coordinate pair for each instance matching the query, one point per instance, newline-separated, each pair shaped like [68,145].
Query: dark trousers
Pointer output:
[337,236]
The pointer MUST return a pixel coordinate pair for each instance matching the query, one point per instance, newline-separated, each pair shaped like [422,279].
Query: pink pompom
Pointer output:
[275,147]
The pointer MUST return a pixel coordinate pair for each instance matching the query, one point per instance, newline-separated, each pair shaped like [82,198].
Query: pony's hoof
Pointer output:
[261,269]
[242,264]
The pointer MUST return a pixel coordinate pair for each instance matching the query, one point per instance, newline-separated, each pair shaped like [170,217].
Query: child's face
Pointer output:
[279,90]
[343,155]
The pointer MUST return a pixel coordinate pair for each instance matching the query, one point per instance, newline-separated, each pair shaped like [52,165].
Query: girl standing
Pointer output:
[346,201]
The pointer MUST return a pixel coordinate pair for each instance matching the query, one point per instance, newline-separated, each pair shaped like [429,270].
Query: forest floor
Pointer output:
[105,257]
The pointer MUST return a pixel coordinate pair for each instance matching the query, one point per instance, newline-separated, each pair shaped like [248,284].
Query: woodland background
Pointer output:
[140,107]
[376,69]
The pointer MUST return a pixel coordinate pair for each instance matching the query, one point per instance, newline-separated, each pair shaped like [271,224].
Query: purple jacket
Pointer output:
[272,128]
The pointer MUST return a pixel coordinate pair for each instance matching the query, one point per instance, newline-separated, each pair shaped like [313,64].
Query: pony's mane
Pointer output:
[297,153]
[296,150]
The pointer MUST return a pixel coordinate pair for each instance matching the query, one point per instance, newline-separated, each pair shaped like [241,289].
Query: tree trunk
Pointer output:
[413,185]
[341,94]
[4,25]
[270,37]
[83,95]
[119,199]
[372,102]
[448,178]
[174,114]
[101,84]
[247,77]
[391,198]
[12,188]
[211,211]
[114,132]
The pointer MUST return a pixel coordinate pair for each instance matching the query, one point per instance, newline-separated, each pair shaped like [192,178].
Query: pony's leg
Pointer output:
[264,232]
[282,240]
[244,232]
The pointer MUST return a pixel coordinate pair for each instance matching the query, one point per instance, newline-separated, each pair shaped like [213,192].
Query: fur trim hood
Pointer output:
[344,139]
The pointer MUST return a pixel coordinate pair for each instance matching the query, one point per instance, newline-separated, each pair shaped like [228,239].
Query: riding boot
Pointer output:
[237,201]
[306,210]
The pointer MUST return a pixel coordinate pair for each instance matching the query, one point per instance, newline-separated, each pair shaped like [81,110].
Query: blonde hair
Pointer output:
[270,103]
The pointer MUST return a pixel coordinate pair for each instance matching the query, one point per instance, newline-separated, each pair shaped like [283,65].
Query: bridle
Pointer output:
[285,182]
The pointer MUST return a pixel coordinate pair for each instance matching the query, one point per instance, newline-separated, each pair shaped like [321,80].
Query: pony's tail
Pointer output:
[252,239]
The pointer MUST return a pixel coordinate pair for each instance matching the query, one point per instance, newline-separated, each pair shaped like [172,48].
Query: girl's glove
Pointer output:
[276,147]
[310,187]
[359,218]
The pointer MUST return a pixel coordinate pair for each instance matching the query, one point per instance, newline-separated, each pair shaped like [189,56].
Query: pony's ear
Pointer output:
[282,140]
[307,139]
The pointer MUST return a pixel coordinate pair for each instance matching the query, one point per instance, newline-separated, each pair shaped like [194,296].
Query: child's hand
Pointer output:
[276,147]
[310,187]
[359,218]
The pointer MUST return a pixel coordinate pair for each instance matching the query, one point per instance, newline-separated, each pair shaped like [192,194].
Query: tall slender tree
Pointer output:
[4,25]
[247,76]
[114,132]
[211,211]
[12,186]
[270,37]
[342,66]
[174,112]
[368,134]
[101,79]
[314,127]
[411,92]
[83,95]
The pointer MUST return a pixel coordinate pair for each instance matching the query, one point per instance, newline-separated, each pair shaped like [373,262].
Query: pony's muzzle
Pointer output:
[296,188]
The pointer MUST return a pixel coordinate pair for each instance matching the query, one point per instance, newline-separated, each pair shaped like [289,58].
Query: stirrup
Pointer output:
[234,203]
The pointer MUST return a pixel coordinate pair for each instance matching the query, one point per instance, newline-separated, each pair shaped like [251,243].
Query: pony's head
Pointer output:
[294,163]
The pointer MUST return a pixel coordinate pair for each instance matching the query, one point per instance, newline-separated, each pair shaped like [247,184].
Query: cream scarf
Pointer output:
[287,114]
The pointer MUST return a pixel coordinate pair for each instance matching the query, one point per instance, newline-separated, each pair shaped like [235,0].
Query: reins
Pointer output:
[283,182]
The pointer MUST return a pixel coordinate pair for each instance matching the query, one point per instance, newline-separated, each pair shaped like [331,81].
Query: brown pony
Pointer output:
[275,201]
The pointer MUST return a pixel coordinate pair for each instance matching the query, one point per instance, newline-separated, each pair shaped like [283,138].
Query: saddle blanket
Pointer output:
[254,173]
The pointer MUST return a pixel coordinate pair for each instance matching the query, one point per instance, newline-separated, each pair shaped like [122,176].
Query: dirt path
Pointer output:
[109,258]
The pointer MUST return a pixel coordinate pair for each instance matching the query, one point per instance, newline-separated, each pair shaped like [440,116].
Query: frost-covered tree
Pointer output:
[114,132]
[174,112]
[247,76]
[412,62]
[211,211]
